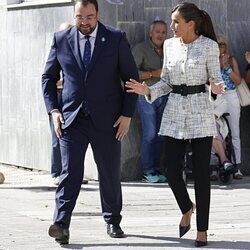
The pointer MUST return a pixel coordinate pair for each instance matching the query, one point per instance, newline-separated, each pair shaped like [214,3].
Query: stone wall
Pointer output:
[25,38]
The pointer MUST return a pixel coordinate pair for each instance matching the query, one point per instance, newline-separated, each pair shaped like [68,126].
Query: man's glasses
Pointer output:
[81,19]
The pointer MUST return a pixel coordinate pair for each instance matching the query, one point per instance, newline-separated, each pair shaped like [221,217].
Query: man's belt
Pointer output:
[185,90]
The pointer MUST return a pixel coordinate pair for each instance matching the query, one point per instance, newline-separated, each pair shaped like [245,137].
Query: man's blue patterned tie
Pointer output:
[87,52]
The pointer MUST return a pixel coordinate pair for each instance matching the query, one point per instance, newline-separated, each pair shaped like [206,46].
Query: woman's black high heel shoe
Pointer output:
[199,243]
[184,229]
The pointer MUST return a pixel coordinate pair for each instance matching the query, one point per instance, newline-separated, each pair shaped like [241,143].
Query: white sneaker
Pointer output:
[55,180]
[238,175]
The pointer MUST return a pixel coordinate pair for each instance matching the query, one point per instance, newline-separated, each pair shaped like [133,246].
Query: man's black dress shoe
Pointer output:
[60,232]
[114,231]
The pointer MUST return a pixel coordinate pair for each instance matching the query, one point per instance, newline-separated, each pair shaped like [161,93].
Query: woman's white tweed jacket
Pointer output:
[191,116]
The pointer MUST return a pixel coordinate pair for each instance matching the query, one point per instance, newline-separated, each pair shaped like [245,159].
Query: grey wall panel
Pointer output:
[134,31]
[108,13]
[238,10]
[158,3]
[152,14]
[131,11]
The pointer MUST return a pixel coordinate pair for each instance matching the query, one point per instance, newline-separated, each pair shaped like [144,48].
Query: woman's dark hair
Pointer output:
[202,20]
[86,2]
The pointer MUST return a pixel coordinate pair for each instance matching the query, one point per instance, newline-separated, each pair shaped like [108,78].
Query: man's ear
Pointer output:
[97,15]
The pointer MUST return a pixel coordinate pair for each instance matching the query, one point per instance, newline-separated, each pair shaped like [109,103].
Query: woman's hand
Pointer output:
[218,88]
[137,87]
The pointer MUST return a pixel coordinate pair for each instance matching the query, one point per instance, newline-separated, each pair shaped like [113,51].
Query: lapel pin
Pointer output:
[103,39]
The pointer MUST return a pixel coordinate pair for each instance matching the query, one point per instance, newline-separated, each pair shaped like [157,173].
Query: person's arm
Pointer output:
[213,62]
[50,77]
[163,86]
[138,54]
[247,56]
[127,70]
[158,89]
[145,75]
[231,67]
[247,74]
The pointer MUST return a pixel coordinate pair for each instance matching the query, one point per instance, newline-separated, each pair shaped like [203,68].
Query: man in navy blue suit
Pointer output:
[95,108]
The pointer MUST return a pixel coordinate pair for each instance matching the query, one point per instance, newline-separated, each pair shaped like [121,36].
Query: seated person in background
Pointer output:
[230,74]
[247,74]
[148,56]
[218,145]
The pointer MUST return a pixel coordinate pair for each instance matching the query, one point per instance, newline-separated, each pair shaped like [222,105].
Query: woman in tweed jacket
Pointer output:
[191,58]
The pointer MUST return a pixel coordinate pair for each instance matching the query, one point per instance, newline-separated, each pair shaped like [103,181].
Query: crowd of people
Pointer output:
[170,81]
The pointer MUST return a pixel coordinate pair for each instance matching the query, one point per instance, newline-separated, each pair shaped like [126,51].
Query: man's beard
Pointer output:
[86,31]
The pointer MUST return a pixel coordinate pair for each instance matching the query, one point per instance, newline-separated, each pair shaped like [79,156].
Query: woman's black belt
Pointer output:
[185,90]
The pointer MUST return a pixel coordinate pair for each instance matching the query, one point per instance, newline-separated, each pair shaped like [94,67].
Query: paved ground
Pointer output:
[150,215]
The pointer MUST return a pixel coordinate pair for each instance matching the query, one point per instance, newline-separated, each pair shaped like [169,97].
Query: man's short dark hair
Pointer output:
[86,2]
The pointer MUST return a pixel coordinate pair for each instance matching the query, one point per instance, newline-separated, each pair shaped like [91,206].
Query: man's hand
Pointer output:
[123,127]
[57,121]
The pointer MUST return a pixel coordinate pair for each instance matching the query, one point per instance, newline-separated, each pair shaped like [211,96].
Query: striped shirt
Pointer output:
[191,116]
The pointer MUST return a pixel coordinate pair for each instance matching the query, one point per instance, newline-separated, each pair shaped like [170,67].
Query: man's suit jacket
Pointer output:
[100,87]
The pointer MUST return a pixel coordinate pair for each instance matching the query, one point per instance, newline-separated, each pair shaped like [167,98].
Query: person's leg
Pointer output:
[201,148]
[149,143]
[107,154]
[174,160]
[219,149]
[73,145]
[56,161]
[159,105]
[234,123]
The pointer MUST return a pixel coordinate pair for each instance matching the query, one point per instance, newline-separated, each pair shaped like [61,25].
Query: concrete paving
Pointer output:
[150,215]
